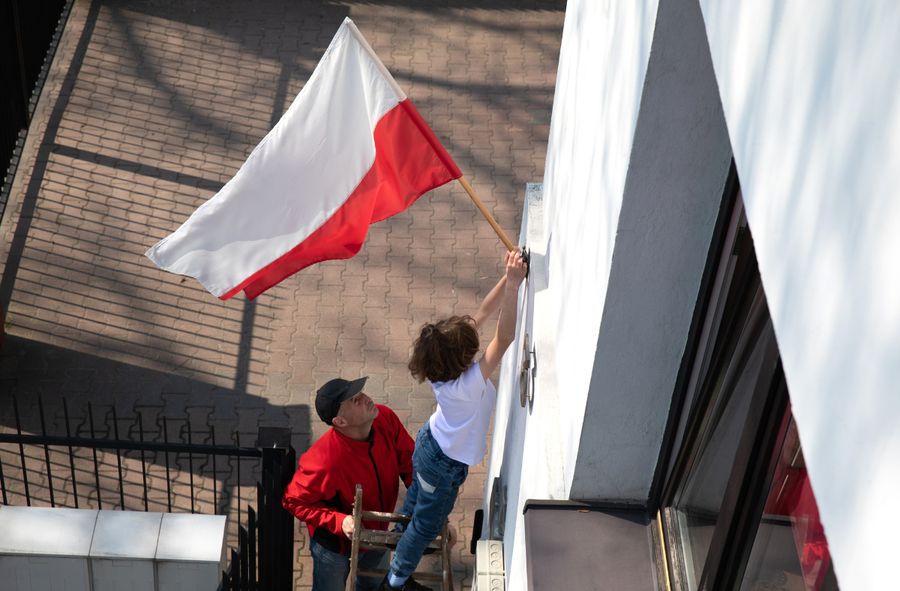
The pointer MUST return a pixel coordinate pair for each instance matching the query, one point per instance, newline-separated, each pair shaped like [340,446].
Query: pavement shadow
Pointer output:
[31,369]
[56,391]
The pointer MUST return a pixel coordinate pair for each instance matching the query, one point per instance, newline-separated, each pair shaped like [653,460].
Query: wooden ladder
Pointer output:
[378,539]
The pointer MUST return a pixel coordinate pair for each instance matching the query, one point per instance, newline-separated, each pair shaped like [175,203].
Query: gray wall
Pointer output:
[677,172]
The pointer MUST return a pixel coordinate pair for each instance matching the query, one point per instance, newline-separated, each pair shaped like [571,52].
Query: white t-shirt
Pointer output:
[461,421]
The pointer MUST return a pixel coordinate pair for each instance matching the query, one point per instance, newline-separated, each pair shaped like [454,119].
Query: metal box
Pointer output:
[189,554]
[123,550]
[44,549]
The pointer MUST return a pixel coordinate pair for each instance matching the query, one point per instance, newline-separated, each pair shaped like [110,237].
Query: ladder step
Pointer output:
[417,576]
[380,516]
[375,538]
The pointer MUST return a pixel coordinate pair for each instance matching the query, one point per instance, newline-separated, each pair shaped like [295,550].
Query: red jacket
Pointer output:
[322,490]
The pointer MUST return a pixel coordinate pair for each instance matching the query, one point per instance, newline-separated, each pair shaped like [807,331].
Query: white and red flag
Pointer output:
[350,151]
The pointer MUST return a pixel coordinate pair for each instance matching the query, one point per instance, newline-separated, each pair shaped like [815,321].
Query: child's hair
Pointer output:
[444,349]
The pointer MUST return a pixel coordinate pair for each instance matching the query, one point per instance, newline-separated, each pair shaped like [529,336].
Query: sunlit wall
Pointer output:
[811,93]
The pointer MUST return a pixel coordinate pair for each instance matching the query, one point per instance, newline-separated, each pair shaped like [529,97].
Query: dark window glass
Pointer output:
[697,505]
[790,552]
[739,510]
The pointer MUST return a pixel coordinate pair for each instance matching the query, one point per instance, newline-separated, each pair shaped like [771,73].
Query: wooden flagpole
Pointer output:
[484,211]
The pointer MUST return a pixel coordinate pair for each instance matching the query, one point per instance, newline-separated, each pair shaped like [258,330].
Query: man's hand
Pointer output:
[516,268]
[347,526]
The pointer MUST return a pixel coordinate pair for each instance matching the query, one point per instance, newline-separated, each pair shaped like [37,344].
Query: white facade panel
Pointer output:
[811,94]
[118,574]
[58,549]
[44,573]
[187,537]
[188,576]
[42,530]
[603,60]
[189,554]
[123,550]
[45,549]
[128,534]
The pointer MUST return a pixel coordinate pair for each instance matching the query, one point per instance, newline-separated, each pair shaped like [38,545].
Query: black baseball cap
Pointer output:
[330,396]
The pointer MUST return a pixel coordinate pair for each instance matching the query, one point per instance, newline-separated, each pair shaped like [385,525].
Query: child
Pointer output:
[454,437]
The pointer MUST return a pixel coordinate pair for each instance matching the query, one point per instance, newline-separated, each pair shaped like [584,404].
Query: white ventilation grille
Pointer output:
[489,574]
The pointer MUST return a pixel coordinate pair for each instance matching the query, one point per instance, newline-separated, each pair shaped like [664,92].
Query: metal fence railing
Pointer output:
[29,33]
[166,466]
[264,558]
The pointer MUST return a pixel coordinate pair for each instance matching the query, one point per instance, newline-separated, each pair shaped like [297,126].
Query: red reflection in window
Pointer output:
[792,497]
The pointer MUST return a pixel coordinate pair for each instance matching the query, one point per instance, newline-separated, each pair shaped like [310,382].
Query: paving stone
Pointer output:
[150,106]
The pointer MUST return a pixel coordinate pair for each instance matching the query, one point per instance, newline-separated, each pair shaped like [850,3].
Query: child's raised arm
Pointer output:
[490,303]
[505,296]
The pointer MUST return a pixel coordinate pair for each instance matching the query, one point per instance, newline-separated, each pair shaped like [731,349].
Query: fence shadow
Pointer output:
[48,390]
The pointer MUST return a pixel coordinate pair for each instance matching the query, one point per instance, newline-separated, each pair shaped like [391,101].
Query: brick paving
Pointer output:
[149,108]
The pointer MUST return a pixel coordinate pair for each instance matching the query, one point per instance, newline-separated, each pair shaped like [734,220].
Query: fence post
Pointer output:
[276,526]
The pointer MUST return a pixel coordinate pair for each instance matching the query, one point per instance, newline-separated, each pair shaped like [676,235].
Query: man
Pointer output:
[367,444]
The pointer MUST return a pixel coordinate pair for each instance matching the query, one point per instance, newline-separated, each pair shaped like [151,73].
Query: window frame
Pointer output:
[730,286]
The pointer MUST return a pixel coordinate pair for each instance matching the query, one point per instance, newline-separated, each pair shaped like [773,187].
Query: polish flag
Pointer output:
[350,151]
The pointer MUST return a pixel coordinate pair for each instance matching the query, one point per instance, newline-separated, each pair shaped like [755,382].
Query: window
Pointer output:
[790,550]
[736,506]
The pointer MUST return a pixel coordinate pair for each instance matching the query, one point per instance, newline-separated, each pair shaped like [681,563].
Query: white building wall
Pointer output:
[603,59]
[811,94]
[595,427]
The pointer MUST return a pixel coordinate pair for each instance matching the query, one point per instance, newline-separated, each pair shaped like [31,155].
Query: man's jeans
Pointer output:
[330,569]
[429,500]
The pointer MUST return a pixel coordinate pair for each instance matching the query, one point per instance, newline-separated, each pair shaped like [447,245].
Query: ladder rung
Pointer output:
[417,576]
[379,516]
[376,538]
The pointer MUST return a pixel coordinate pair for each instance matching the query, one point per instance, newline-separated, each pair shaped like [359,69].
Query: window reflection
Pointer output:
[790,551]
[698,504]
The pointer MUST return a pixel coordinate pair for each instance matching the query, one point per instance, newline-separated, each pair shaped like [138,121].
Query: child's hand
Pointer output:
[516,268]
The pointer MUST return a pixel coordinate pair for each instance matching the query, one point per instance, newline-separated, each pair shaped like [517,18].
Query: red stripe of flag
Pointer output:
[409,161]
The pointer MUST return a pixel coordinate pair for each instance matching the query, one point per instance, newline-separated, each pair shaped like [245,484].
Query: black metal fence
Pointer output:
[264,558]
[29,30]
[165,466]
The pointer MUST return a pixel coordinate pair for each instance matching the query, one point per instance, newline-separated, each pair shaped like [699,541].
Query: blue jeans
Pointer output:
[429,500]
[330,569]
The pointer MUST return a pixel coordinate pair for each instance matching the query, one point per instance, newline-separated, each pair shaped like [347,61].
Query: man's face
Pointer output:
[357,411]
